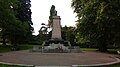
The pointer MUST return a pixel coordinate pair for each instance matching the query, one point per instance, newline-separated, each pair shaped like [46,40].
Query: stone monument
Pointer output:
[55,43]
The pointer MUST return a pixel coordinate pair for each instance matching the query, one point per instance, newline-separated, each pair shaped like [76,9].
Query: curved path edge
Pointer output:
[16,64]
[105,64]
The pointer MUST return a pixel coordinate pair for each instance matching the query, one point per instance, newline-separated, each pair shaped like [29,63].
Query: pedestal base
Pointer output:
[56,45]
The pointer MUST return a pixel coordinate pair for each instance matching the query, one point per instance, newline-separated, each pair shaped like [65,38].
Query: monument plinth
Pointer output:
[56,28]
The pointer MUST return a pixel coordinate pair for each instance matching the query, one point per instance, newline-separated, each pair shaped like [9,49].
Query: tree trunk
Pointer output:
[103,49]
[14,44]
[4,41]
[103,46]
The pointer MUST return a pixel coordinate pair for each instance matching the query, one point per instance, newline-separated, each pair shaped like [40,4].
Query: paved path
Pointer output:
[55,59]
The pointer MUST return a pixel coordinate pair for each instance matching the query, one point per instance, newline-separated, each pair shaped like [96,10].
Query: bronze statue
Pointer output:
[53,12]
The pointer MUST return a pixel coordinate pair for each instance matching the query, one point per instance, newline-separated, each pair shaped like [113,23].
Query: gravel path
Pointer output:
[55,59]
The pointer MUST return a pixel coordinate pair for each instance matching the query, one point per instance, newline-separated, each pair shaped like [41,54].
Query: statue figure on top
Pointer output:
[53,12]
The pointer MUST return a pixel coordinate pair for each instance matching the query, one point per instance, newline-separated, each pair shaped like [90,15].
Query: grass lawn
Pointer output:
[112,51]
[5,48]
[8,47]
[25,47]
[88,49]
[116,65]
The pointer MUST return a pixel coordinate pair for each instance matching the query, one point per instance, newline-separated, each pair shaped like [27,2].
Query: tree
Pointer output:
[43,34]
[7,16]
[13,27]
[98,21]
[24,15]
[68,34]
[24,11]
[64,32]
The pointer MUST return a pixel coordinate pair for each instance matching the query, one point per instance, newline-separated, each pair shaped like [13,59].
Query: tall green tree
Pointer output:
[98,22]
[7,16]
[24,15]
[13,27]
[24,7]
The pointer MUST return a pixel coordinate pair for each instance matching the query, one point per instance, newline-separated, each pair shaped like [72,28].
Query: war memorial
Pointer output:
[57,52]
[56,44]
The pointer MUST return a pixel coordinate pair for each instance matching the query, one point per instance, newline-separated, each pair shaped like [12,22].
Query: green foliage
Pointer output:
[33,40]
[5,48]
[15,21]
[7,18]
[42,37]
[8,48]
[68,34]
[24,15]
[24,11]
[98,22]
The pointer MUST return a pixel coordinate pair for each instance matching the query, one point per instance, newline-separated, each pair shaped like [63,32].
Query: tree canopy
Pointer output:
[15,24]
[68,34]
[98,22]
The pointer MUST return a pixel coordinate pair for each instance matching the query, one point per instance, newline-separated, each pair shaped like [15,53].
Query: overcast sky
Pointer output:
[41,12]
